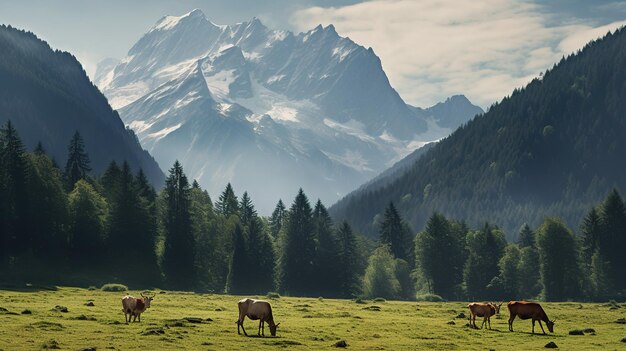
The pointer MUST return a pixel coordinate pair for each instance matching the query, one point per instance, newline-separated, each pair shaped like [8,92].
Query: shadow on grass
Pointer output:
[28,287]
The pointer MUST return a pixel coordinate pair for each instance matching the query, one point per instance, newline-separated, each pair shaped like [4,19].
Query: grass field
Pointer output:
[306,324]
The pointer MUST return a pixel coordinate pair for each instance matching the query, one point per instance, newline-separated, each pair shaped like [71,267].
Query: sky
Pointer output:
[430,49]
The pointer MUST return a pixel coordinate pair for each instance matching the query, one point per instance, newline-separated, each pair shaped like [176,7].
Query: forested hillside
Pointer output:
[48,97]
[553,148]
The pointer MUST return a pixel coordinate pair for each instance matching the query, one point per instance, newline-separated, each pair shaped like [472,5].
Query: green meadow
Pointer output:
[29,320]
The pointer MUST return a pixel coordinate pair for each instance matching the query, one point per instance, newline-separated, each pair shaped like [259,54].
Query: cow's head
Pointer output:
[147,299]
[497,306]
[273,329]
[550,325]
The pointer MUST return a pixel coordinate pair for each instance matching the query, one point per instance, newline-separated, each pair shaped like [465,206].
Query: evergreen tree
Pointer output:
[529,273]
[348,267]
[88,212]
[246,209]
[612,239]
[380,275]
[77,166]
[261,256]
[39,150]
[278,218]
[328,282]
[526,237]
[239,275]
[48,208]
[440,255]
[204,231]
[486,248]
[227,204]
[558,253]
[590,229]
[395,233]
[15,193]
[602,284]
[297,270]
[509,278]
[178,256]
[110,180]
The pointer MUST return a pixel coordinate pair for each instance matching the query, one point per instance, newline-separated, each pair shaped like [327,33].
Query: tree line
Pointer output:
[67,226]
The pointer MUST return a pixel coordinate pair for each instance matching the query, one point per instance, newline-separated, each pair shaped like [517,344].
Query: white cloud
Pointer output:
[431,49]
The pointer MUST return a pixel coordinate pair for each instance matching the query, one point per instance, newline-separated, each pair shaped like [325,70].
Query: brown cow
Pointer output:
[527,310]
[133,307]
[256,309]
[485,310]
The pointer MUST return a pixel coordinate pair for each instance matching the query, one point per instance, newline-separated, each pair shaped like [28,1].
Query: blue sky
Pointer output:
[430,49]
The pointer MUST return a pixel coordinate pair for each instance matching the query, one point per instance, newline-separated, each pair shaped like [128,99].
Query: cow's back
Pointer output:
[525,310]
[258,309]
[129,303]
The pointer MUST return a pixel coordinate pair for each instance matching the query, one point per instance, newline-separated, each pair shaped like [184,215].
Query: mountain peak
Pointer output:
[169,22]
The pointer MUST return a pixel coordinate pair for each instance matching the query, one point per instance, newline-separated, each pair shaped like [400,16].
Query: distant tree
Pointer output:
[591,230]
[278,218]
[110,179]
[348,262]
[327,252]
[526,237]
[298,250]
[395,233]
[486,248]
[77,166]
[612,239]
[262,257]
[15,219]
[529,273]
[39,150]
[440,255]
[603,287]
[227,204]
[239,274]
[380,275]
[178,255]
[208,254]
[509,277]
[246,209]
[88,212]
[558,253]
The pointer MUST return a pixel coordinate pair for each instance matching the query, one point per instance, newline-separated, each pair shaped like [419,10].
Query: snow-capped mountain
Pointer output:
[268,110]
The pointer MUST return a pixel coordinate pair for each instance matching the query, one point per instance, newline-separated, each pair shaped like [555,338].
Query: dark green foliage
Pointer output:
[246,210]
[278,218]
[228,204]
[239,274]
[526,236]
[507,282]
[395,233]
[440,255]
[262,257]
[560,268]
[529,273]
[485,248]
[553,148]
[178,255]
[612,238]
[296,263]
[77,166]
[48,96]
[380,276]
[328,253]
[88,214]
[348,266]
[590,229]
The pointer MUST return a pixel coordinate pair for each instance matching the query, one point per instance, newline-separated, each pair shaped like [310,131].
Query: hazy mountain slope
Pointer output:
[555,147]
[48,96]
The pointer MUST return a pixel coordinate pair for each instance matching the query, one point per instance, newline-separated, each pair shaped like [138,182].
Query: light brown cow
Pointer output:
[485,310]
[133,307]
[528,310]
[256,309]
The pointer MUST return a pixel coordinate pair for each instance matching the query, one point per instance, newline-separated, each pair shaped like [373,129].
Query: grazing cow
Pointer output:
[256,309]
[133,307]
[485,310]
[527,310]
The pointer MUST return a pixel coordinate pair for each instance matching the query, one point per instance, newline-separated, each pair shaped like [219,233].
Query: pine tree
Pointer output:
[526,236]
[178,255]
[262,257]
[600,269]
[440,255]
[395,233]
[246,209]
[486,248]
[15,198]
[298,250]
[278,218]
[591,229]
[529,273]
[204,230]
[238,275]
[227,204]
[77,166]
[509,272]
[612,239]
[110,180]
[348,268]
[328,280]
[39,150]
[560,268]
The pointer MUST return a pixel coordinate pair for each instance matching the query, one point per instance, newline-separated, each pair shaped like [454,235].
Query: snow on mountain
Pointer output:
[268,110]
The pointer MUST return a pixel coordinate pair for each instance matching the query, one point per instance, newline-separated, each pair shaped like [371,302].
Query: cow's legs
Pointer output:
[541,325]
[511,319]
[125,317]
[240,324]
[489,321]
[533,326]
[259,331]
[484,323]
[139,316]
[263,329]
